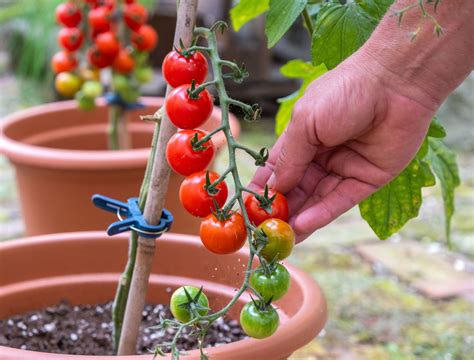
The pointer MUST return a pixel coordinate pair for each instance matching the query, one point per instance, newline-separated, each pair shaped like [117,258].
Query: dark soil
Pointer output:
[87,330]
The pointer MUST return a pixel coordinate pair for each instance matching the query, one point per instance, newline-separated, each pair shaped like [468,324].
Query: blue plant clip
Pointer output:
[115,99]
[134,219]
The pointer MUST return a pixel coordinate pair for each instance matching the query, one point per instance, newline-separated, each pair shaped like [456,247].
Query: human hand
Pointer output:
[350,134]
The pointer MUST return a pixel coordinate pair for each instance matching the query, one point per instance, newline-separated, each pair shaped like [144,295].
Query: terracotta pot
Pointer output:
[61,159]
[84,268]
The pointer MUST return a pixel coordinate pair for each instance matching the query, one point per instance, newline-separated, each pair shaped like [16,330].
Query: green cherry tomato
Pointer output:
[130,95]
[281,239]
[271,286]
[257,323]
[84,102]
[143,75]
[179,298]
[120,83]
[92,89]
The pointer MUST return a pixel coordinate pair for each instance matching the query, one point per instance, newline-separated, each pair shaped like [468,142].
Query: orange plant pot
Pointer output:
[84,268]
[61,159]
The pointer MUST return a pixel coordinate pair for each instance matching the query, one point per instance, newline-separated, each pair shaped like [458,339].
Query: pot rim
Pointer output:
[21,153]
[304,316]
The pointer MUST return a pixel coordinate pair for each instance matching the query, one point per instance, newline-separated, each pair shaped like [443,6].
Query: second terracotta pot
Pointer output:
[61,159]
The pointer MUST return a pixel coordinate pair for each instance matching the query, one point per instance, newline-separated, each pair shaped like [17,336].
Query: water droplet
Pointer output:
[73,337]
[168,290]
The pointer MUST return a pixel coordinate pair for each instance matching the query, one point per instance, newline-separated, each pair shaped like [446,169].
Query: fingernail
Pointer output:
[271,181]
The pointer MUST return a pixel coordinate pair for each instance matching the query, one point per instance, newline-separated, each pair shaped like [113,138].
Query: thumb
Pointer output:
[298,148]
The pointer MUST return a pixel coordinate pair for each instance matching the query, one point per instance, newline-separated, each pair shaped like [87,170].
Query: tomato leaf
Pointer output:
[376,8]
[247,10]
[281,15]
[443,162]
[339,31]
[436,130]
[295,69]
[396,203]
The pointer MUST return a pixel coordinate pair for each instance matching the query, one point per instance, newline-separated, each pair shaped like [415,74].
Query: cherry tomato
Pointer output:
[92,89]
[68,14]
[124,62]
[89,74]
[120,83]
[135,15]
[281,239]
[183,158]
[179,298]
[257,214]
[107,43]
[84,102]
[187,113]
[179,70]
[145,38]
[99,19]
[63,61]
[70,38]
[143,74]
[259,323]
[223,236]
[67,84]
[195,198]
[98,59]
[273,285]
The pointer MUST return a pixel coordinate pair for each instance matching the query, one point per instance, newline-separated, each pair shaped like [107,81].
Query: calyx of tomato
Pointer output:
[196,144]
[193,305]
[261,305]
[268,267]
[266,202]
[183,51]
[260,239]
[194,91]
[211,187]
[222,214]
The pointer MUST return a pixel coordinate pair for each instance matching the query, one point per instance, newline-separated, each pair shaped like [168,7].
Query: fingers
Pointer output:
[321,210]
[297,151]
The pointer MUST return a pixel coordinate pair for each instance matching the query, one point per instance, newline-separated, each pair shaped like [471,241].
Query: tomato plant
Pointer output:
[107,43]
[124,62]
[67,84]
[270,204]
[63,61]
[223,235]
[259,320]
[187,295]
[198,198]
[99,19]
[183,157]
[271,281]
[280,239]
[186,112]
[145,38]
[70,38]
[135,15]
[68,14]
[180,70]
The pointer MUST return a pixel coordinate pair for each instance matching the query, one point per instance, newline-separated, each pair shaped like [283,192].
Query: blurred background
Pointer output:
[383,297]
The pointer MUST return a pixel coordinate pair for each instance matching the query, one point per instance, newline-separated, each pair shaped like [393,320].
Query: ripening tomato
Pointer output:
[67,84]
[98,59]
[179,299]
[223,236]
[70,38]
[134,15]
[281,239]
[257,214]
[63,61]
[124,62]
[187,113]
[183,158]
[143,74]
[258,322]
[145,38]
[179,70]
[195,198]
[271,285]
[68,14]
[92,89]
[107,43]
[99,19]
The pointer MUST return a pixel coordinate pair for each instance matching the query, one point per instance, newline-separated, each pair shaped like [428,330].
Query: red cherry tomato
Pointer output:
[68,14]
[134,15]
[98,59]
[107,43]
[63,61]
[223,236]
[70,38]
[99,19]
[183,158]
[257,214]
[195,198]
[145,38]
[179,70]
[124,62]
[186,113]
[109,4]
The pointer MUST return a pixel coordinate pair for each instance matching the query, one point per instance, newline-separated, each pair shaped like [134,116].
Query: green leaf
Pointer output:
[376,8]
[396,203]
[297,69]
[247,10]
[436,130]
[281,15]
[339,31]
[443,162]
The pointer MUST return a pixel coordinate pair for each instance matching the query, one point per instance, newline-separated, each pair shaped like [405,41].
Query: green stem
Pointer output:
[120,301]
[308,21]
